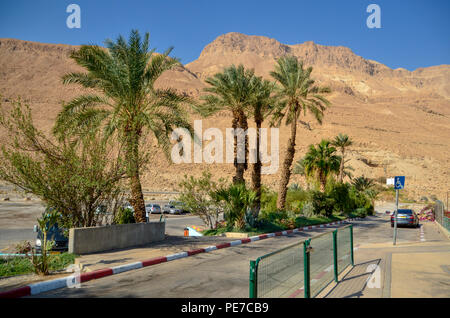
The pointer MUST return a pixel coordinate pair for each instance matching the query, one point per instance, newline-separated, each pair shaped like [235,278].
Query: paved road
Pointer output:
[417,266]
[222,273]
[16,222]
[18,218]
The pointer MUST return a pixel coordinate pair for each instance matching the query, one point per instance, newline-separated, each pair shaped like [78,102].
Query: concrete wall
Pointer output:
[103,238]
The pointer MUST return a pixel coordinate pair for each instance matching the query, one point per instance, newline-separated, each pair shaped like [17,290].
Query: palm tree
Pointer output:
[342,141]
[297,93]
[231,90]
[321,162]
[124,103]
[238,200]
[362,183]
[261,106]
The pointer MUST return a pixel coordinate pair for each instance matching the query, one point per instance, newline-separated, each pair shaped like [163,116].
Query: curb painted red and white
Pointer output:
[72,280]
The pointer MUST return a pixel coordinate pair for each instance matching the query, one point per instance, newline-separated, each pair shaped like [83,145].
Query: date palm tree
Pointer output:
[123,103]
[261,106]
[232,90]
[321,162]
[342,142]
[362,183]
[296,94]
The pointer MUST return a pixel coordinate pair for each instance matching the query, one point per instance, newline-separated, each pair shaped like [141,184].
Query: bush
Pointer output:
[198,197]
[268,200]
[361,212]
[308,209]
[322,204]
[295,199]
[238,200]
[124,216]
[339,192]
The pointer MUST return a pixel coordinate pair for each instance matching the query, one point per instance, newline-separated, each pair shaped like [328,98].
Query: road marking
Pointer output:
[422,234]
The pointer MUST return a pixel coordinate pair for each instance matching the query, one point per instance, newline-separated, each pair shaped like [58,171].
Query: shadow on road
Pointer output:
[355,281]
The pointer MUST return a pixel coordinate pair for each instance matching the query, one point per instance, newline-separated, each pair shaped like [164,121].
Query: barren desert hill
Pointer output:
[399,120]
[336,64]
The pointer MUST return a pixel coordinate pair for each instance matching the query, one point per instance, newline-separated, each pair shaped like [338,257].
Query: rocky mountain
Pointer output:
[399,120]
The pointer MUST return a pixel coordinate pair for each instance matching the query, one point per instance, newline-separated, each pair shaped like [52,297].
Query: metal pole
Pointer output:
[351,245]
[306,268]
[335,255]
[252,284]
[395,216]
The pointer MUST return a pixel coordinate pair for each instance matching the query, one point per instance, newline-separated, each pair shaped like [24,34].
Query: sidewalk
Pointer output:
[171,245]
[92,262]
[413,270]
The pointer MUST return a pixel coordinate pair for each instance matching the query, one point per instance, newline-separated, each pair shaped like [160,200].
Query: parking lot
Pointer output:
[17,219]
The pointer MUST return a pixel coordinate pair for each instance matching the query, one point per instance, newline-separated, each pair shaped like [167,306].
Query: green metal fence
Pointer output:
[302,269]
[440,215]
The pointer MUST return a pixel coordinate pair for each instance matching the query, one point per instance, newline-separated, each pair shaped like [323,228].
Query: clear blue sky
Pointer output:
[414,33]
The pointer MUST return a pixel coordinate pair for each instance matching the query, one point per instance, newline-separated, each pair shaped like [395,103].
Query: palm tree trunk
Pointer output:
[137,197]
[286,170]
[256,173]
[240,121]
[323,181]
[341,168]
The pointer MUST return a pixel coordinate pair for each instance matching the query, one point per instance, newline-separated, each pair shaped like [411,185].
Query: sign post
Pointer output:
[399,183]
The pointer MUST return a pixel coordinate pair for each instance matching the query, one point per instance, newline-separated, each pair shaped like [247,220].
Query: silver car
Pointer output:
[405,217]
[168,208]
[152,208]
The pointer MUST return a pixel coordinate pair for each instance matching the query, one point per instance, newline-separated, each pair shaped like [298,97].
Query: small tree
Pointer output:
[46,222]
[238,201]
[198,197]
[73,178]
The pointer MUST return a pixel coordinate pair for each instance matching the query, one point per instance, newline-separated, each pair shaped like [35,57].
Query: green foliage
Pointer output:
[321,161]
[126,106]
[322,203]
[268,200]
[41,262]
[198,197]
[295,199]
[340,193]
[124,216]
[74,178]
[238,200]
[362,183]
[12,266]
[308,209]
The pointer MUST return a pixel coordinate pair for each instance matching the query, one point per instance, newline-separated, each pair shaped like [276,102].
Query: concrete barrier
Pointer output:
[103,238]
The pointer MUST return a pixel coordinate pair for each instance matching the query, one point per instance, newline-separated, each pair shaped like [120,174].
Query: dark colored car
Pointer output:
[405,217]
[55,234]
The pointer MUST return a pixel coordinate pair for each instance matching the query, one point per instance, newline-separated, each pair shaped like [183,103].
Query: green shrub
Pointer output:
[295,198]
[124,216]
[268,200]
[361,212]
[237,200]
[339,192]
[308,209]
[323,204]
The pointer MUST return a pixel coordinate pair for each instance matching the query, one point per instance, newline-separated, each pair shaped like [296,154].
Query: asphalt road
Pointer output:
[222,273]
[18,218]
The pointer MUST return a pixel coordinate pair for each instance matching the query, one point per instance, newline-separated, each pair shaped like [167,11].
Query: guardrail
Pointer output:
[304,268]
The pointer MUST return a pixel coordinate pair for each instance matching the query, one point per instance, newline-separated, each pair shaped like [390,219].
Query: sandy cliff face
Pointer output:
[399,120]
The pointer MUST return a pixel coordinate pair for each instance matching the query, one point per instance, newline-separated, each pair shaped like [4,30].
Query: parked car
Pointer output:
[179,205]
[168,208]
[152,208]
[55,234]
[405,217]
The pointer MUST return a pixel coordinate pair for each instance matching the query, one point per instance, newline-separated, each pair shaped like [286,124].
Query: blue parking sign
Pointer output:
[399,182]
